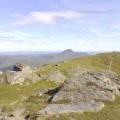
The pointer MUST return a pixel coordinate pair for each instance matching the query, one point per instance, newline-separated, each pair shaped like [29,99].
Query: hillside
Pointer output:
[97,62]
[64,90]
[67,54]
[34,59]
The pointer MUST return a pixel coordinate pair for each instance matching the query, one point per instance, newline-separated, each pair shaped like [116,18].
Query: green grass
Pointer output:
[97,62]
[12,95]
[33,104]
[111,111]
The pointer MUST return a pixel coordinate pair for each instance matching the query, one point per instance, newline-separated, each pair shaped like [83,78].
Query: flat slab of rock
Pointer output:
[53,109]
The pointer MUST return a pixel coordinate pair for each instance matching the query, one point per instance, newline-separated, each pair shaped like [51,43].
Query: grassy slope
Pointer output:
[97,62]
[12,95]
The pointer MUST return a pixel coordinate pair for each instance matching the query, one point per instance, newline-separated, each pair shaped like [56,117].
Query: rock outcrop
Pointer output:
[22,72]
[83,89]
[19,75]
[89,86]
[21,67]
[56,76]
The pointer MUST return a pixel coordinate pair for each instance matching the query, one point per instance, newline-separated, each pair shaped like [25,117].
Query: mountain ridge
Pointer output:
[7,61]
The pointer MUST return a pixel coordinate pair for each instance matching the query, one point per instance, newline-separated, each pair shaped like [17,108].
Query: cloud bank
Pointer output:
[47,17]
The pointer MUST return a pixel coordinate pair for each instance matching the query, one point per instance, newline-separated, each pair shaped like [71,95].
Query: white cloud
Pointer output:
[47,17]
[13,34]
[22,41]
[19,41]
[101,33]
[116,27]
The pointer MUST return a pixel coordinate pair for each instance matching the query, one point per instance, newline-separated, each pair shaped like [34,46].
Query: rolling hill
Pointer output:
[97,62]
[34,59]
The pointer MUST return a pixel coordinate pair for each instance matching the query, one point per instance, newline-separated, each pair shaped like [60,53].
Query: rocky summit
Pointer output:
[77,89]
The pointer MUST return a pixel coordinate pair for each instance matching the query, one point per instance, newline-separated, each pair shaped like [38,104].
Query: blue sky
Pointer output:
[52,25]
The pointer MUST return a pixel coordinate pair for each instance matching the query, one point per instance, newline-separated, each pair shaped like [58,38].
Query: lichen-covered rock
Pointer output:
[83,95]
[56,76]
[82,92]
[19,76]
[21,67]
[88,86]
[81,107]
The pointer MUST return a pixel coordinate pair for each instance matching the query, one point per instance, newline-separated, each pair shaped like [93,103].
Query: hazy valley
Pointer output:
[8,59]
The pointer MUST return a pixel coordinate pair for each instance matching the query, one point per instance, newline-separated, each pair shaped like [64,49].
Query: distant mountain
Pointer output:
[34,59]
[67,54]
